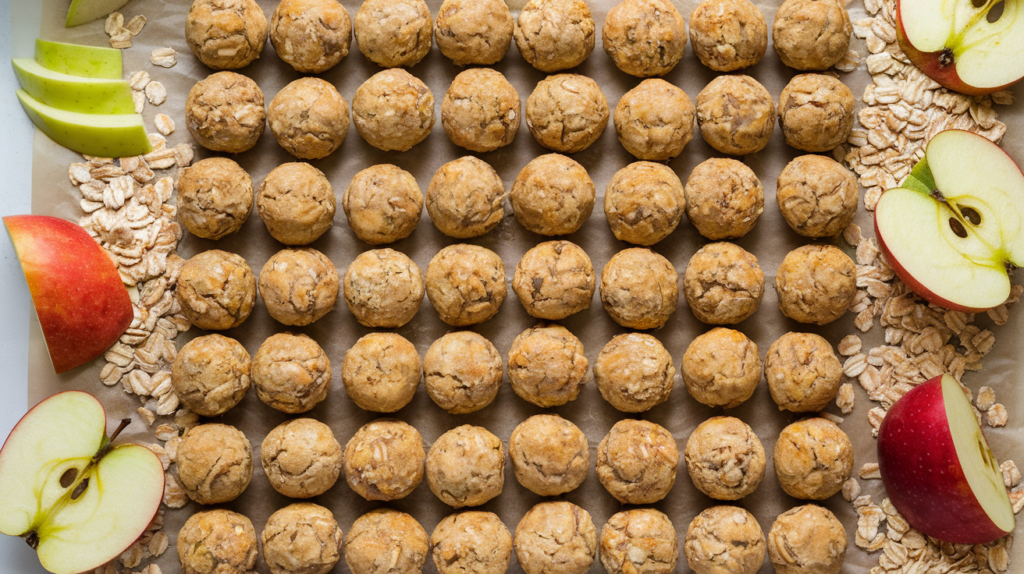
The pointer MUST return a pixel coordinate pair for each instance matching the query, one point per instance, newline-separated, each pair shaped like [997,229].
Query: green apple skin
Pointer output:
[120,135]
[76,60]
[85,11]
[73,93]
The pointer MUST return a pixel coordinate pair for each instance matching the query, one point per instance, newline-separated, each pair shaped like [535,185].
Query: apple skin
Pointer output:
[82,304]
[85,11]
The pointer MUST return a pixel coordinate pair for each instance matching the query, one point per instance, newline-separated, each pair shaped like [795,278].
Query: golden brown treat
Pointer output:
[546,365]
[298,286]
[473,31]
[309,117]
[393,110]
[639,288]
[226,34]
[216,290]
[214,463]
[384,461]
[736,114]
[291,373]
[816,112]
[807,540]
[210,374]
[553,280]
[556,538]
[466,466]
[301,458]
[462,372]
[817,196]
[383,288]
[724,458]
[634,372]
[566,112]
[311,35]
[296,202]
[724,199]
[381,372]
[217,542]
[721,368]
[466,198]
[383,204]
[803,372]
[550,455]
[301,538]
[644,37]
[480,110]
[813,458]
[724,540]
[811,34]
[386,541]
[644,202]
[471,542]
[636,462]
[816,284]
[215,197]
[654,121]
[394,33]
[728,35]
[723,284]
[224,112]
[555,35]
[553,195]
[466,284]
[640,541]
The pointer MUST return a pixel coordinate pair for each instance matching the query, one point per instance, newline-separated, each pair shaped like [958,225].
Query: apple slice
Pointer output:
[953,231]
[85,61]
[120,135]
[75,498]
[73,93]
[85,11]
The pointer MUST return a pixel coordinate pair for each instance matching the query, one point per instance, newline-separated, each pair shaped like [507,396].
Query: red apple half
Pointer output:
[938,469]
[82,304]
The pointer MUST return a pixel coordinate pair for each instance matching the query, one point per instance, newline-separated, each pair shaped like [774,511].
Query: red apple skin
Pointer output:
[921,470]
[82,304]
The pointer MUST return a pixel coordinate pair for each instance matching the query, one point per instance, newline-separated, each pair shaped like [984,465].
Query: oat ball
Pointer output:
[816,284]
[216,290]
[550,455]
[217,541]
[634,372]
[393,33]
[309,117]
[553,195]
[554,280]
[724,539]
[383,204]
[724,199]
[807,540]
[301,538]
[723,284]
[386,541]
[636,462]
[298,286]
[466,466]
[803,372]
[644,38]
[384,461]
[224,112]
[466,198]
[466,284]
[721,368]
[639,288]
[817,196]
[471,542]
[654,121]
[554,35]
[296,202]
[556,538]
[816,112]
[226,34]
[383,288]
[462,372]
[215,197]
[473,31]
[811,34]
[214,463]
[566,112]
[291,373]
[725,459]
[301,458]
[311,35]
[644,202]
[728,35]
[546,365]
[381,372]
[480,110]
[639,541]
[813,458]
[736,114]
[210,374]
[393,110]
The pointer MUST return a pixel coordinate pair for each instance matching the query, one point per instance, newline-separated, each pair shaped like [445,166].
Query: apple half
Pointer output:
[954,231]
[85,61]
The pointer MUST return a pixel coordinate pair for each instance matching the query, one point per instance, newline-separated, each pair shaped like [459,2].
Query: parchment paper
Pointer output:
[770,241]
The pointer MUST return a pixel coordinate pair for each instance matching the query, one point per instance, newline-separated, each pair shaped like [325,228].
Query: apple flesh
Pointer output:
[85,11]
[75,60]
[73,93]
[120,135]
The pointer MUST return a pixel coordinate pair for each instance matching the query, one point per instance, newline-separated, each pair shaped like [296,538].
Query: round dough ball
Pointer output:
[639,288]
[392,33]
[736,115]
[644,37]
[471,542]
[550,455]
[480,110]
[816,112]
[807,540]
[215,197]
[816,284]
[312,36]
[811,34]
[636,462]
[473,31]
[556,537]
[803,372]
[299,286]
[218,540]
[216,290]
[466,284]
[554,35]
[634,372]
[462,372]
[546,365]
[725,459]
[383,288]
[466,466]
[226,34]
[384,461]
[210,374]
[724,199]
[224,112]
[724,539]
[383,204]
[309,117]
[721,368]
[813,458]
[654,121]
[301,538]
[385,532]
[466,198]
[291,373]
[728,35]
[723,284]
[214,463]
[553,195]
[381,372]
[393,110]
[296,202]
[301,458]
[639,541]
[554,280]
[817,196]
[566,112]
[644,202]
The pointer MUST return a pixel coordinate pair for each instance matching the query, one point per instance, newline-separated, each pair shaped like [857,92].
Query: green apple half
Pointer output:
[75,498]
[85,11]
[85,61]
[73,93]
[955,229]
[120,135]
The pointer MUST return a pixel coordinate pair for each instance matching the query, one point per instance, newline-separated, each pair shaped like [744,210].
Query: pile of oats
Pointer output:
[121,34]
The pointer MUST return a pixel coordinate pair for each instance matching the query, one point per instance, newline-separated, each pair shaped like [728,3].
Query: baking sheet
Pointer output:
[769,241]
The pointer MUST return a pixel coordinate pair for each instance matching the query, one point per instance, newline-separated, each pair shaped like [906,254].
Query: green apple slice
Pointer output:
[75,60]
[85,11]
[73,93]
[120,135]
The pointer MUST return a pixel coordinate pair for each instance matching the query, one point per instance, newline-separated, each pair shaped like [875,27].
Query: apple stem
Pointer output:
[32,539]
[110,441]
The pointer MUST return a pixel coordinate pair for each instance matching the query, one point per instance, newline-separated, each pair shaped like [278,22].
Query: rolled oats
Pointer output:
[114,22]
[164,124]
[164,57]
[174,496]
[1011,476]
[851,489]
[986,398]
[845,398]
[996,415]
[849,346]
[156,93]
[869,471]
[855,365]
[139,98]
[147,415]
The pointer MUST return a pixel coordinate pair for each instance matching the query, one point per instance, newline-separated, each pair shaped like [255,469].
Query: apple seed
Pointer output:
[68,478]
[958,228]
[971,215]
[80,489]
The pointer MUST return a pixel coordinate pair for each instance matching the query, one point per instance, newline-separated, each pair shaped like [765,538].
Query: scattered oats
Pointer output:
[121,44]
[115,21]
[996,415]
[164,124]
[136,24]
[1011,476]
[855,365]
[174,496]
[156,93]
[831,417]
[140,101]
[870,471]
[167,404]
[865,320]
[850,345]
[164,57]
[999,315]
[851,489]
[852,234]
[148,415]
[183,154]
[158,544]
[139,80]
[108,568]
[1017,500]
[166,432]
[172,448]
[133,556]
[845,398]
[986,398]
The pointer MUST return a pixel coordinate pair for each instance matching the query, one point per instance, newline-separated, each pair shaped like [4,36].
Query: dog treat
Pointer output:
[291,373]
[639,541]
[393,110]
[466,198]
[471,542]
[385,532]
[556,537]
[644,37]
[381,372]
[816,112]
[226,35]
[384,461]
[301,538]
[466,466]
[816,284]
[473,31]
[214,463]
[309,117]
[554,280]
[721,368]
[546,365]
[311,35]
[725,459]
[217,537]
[724,539]
[216,290]
[654,121]
[817,196]
[644,202]
[723,284]
[811,34]
[554,35]
[736,115]
[298,286]
[728,35]
[462,372]
[215,197]
[803,372]
[639,288]
[296,202]
[301,458]
[224,112]
[392,33]
[550,455]
[724,199]
[634,372]
[553,195]
[210,374]
[566,112]
[383,204]
[481,110]
[383,288]
[807,540]
[636,462]
[466,284]
[813,458]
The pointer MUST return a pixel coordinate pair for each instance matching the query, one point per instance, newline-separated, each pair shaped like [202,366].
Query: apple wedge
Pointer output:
[73,93]
[85,11]
[75,60]
[955,228]
[120,135]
